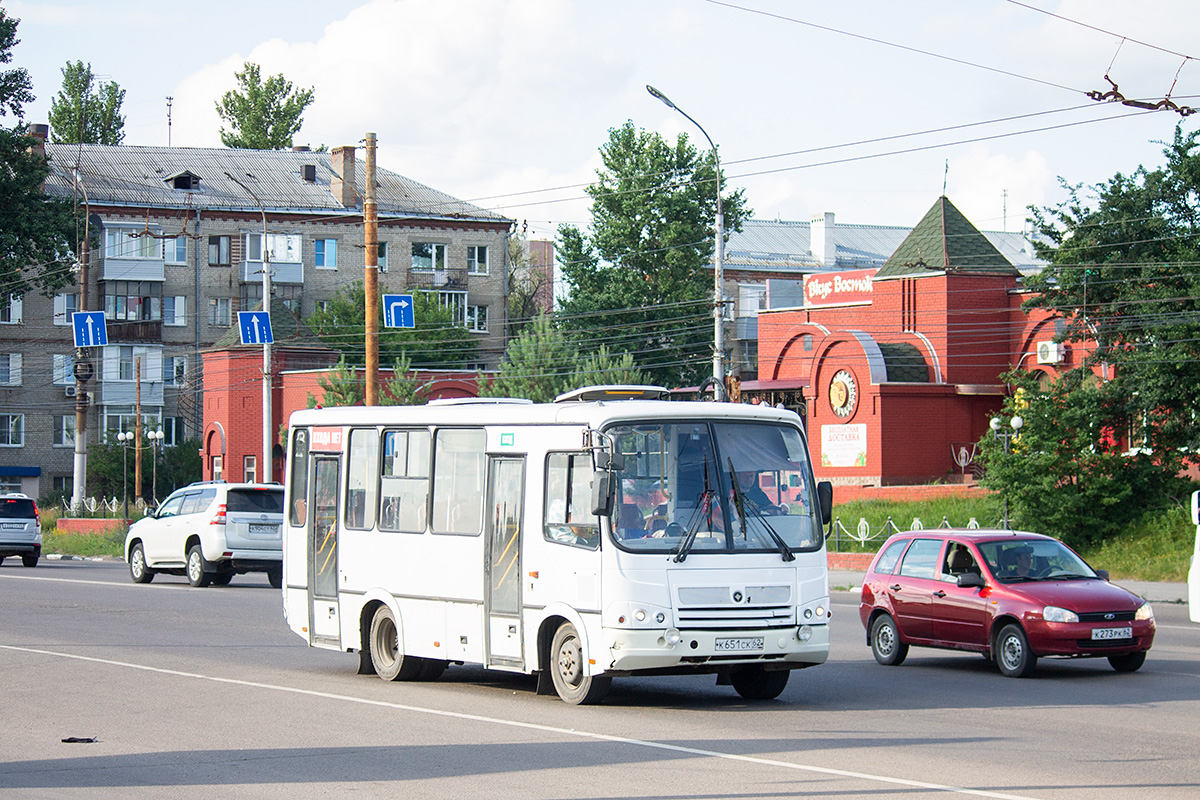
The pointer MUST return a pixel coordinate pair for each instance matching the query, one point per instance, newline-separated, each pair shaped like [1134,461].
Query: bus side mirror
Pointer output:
[603,486]
[614,462]
[825,499]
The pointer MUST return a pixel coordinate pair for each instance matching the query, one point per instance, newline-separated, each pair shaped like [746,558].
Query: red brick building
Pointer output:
[900,367]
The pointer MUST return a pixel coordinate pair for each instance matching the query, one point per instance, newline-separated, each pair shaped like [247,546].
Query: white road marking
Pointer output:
[568,732]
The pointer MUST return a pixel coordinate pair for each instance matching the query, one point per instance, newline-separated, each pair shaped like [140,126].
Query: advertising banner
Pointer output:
[826,289]
[843,445]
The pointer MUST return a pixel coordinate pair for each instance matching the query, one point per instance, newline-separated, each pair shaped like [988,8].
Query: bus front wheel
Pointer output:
[571,680]
[756,683]
[390,664]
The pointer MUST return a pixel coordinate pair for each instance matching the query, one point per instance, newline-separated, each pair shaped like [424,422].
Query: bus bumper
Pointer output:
[636,650]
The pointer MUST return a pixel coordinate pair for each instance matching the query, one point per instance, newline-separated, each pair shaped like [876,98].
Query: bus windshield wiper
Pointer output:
[703,511]
[739,502]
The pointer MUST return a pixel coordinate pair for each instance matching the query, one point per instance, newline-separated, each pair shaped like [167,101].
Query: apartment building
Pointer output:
[180,238]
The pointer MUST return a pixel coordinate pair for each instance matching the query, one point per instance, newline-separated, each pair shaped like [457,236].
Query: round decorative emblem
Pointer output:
[843,393]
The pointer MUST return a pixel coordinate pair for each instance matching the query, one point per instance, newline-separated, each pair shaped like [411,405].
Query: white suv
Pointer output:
[210,531]
[20,528]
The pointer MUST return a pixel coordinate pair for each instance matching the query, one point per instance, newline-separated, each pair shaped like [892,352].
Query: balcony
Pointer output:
[441,279]
[139,331]
[281,272]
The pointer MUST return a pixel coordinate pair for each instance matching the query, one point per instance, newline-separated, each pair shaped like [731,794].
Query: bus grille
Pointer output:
[739,617]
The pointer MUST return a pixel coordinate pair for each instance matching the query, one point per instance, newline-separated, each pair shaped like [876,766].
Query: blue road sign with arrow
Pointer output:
[89,327]
[398,311]
[255,327]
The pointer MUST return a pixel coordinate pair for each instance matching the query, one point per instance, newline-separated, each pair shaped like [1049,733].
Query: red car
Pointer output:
[1012,596]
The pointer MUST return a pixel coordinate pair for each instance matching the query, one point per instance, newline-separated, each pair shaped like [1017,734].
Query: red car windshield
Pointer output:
[1018,560]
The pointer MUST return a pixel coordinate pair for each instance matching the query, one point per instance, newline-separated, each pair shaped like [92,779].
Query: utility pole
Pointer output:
[83,365]
[137,431]
[371,276]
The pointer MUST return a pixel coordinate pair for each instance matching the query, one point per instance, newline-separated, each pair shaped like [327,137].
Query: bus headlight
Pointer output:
[639,615]
[804,633]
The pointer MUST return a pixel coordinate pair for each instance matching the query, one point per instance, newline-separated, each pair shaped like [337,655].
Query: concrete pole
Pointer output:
[371,276]
[137,430]
[83,373]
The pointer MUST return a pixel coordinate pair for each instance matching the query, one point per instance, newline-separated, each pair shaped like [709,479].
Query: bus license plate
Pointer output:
[1099,634]
[747,643]
[264,530]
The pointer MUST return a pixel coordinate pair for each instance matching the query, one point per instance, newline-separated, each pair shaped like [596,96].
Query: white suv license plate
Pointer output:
[13,526]
[1100,634]
[264,530]
[745,643]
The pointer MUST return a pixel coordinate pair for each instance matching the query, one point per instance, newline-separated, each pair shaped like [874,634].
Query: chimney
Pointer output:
[823,240]
[342,185]
[40,132]
[301,148]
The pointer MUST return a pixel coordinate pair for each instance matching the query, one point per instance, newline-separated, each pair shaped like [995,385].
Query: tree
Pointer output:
[1067,474]
[436,342]
[37,232]
[343,386]
[1124,274]
[527,285]
[544,362]
[84,111]
[640,281]
[262,115]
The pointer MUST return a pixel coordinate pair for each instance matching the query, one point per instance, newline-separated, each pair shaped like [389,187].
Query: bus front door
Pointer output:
[502,604]
[322,550]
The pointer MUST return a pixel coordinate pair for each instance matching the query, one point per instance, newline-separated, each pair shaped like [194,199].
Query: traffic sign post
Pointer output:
[398,311]
[89,328]
[255,327]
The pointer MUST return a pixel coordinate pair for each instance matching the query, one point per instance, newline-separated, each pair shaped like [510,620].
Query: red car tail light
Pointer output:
[219,517]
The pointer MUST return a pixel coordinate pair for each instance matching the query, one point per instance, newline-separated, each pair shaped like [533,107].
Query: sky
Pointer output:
[863,108]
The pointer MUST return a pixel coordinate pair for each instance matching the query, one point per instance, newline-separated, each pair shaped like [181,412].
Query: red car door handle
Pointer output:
[895,587]
[939,593]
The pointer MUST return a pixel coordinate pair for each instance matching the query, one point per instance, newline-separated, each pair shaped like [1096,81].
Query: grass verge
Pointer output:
[83,544]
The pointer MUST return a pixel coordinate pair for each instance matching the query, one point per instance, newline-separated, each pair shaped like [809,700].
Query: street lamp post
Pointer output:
[1005,437]
[718,260]
[156,439]
[125,438]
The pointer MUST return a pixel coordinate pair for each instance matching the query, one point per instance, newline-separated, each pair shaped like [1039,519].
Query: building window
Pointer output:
[322,305]
[477,320]
[457,303]
[10,369]
[282,248]
[428,257]
[64,485]
[131,243]
[326,253]
[12,430]
[64,430]
[477,259]
[249,469]
[218,468]
[173,431]
[13,312]
[64,306]
[808,342]
[125,362]
[218,312]
[133,301]
[176,372]
[175,310]
[382,259]
[290,294]
[64,369]
[175,250]
[218,251]
[121,418]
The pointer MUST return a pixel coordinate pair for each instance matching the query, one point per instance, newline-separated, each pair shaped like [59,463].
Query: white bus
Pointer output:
[607,534]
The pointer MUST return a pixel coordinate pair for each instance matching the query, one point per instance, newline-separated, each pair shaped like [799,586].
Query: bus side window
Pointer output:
[568,519]
[299,487]
[362,478]
[404,485]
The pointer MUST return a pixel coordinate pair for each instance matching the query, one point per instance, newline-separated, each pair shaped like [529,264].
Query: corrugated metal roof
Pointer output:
[769,245]
[141,176]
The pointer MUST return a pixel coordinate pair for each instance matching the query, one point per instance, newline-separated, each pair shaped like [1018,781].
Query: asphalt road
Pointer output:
[206,693]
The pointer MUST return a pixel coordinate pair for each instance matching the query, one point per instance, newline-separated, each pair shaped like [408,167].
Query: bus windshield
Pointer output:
[702,487]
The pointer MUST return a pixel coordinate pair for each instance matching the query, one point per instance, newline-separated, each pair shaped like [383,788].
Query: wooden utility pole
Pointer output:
[371,276]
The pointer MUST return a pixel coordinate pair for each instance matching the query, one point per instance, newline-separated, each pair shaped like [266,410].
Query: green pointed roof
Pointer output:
[945,241]
[286,330]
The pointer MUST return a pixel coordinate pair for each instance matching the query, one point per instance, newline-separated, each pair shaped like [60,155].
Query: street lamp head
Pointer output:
[995,423]
[1017,422]
[656,93]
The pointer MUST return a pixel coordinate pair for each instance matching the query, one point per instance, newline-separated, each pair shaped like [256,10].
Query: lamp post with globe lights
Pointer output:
[125,438]
[156,440]
[1005,437]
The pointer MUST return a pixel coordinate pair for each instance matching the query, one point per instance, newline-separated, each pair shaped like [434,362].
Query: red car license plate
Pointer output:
[1100,634]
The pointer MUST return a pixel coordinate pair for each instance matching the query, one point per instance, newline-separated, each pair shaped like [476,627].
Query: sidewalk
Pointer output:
[848,580]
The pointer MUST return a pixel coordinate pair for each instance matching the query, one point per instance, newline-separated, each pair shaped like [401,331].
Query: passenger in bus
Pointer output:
[752,491]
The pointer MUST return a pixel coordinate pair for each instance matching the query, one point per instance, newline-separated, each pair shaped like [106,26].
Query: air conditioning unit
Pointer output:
[69,391]
[1050,352]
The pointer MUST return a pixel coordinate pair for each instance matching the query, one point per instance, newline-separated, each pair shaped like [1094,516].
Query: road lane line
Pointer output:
[566,732]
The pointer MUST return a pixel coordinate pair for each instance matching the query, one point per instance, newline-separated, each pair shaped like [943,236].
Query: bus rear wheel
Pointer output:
[390,664]
[569,673]
[756,683]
